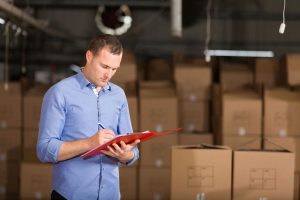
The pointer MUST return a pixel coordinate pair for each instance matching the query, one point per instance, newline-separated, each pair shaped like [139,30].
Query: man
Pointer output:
[80,113]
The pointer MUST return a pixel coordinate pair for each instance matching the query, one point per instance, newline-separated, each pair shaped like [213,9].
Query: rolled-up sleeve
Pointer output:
[126,127]
[51,125]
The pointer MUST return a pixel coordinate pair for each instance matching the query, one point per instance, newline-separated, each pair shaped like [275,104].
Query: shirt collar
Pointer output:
[86,83]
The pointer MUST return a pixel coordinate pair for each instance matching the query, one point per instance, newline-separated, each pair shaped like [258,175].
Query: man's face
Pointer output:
[102,66]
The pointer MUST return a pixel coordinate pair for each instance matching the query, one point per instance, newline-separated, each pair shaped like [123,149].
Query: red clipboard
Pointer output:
[127,138]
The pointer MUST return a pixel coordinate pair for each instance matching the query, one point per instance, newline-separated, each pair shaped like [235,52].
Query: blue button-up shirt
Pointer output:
[72,111]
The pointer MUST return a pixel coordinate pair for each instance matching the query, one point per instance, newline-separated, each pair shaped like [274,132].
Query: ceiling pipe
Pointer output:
[24,17]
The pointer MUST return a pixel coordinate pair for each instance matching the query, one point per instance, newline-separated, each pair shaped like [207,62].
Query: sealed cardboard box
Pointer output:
[195,138]
[195,116]
[297,186]
[30,138]
[193,81]
[133,109]
[158,69]
[32,105]
[127,71]
[282,114]
[290,143]
[200,169]
[128,183]
[293,69]
[263,174]
[9,178]
[157,152]
[235,142]
[36,180]
[267,72]
[32,110]
[29,155]
[10,145]
[235,76]
[158,108]
[154,183]
[241,114]
[10,106]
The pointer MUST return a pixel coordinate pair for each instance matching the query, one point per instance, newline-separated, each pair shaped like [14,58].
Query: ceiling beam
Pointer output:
[12,10]
[63,3]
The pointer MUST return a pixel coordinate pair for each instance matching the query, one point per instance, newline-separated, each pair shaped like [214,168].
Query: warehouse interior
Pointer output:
[225,71]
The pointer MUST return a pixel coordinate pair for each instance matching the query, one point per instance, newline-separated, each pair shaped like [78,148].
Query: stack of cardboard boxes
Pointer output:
[241,118]
[194,82]
[158,109]
[10,139]
[36,177]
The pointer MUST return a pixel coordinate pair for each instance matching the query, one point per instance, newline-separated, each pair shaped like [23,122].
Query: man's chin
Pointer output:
[103,83]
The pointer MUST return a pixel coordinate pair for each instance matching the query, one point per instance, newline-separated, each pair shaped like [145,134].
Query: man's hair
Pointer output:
[105,41]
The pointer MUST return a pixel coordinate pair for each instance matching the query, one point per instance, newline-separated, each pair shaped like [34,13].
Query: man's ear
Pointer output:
[88,56]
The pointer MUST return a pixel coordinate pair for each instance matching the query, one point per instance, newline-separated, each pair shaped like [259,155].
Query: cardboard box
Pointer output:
[267,72]
[293,69]
[290,143]
[128,183]
[33,100]
[127,71]
[36,180]
[297,186]
[29,155]
[133,109]
[235,76]
[236,142]
[30,137]
[268,174]
[195,116]
[159,69]
[10,105]
[9,178]
[193,81]
[241,114]
[201,169]
[281,112]
[10,145]
[195,138]
[154,183]
[158,108]
[157,152]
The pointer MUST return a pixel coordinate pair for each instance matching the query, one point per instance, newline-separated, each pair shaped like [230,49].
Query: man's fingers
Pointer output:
[135,142]
[118,149]
[112,151]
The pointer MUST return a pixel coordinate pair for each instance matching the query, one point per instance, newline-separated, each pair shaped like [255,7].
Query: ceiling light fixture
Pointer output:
[176,18]
[2,21]
[239,53]
[113,20]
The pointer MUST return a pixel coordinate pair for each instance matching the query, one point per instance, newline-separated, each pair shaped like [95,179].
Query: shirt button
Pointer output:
[103,168]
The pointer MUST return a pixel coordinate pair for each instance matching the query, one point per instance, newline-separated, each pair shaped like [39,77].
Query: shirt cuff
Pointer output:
[135,157]
[53,149]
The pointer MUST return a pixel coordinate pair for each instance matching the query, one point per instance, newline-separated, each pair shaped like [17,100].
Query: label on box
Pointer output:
[242,131]
[282,133]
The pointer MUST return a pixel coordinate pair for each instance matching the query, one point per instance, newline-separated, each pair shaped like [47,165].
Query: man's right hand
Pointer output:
[101,137]
[74,148]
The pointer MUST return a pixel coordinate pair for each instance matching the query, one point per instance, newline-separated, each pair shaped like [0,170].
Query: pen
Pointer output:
[101,125]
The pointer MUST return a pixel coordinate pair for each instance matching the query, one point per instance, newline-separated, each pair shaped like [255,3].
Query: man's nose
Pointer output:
[108,73]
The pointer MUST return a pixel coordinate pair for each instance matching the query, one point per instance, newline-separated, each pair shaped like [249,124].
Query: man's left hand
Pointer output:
[122,152]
